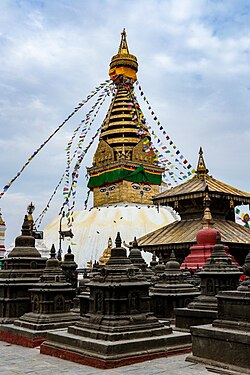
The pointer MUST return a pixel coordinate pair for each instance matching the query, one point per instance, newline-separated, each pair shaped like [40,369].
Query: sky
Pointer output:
[194,69]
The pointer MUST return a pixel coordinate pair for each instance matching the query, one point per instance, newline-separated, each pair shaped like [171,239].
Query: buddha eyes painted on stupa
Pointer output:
[142,187]
[107,189]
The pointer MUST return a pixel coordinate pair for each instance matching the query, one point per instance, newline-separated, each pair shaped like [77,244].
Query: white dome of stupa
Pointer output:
[92,228]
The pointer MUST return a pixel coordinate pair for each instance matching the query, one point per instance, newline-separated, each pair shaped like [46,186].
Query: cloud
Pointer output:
[193,67]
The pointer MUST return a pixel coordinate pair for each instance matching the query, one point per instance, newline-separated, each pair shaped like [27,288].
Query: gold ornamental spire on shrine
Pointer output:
[201,167]
[123,63]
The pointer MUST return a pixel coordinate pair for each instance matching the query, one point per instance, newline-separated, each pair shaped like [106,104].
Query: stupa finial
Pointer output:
[207,219]
[26,227]
[53,252]
[123,48]
[201,166]
[123,64]
[118,240]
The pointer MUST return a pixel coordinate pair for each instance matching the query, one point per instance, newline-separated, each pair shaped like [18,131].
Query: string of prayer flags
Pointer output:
[85,129]
[76,109]
[44,211]
[161,128]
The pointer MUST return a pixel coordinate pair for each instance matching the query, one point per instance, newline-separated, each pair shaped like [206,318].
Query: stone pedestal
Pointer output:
[231,331]
[218,274]
[51,300]
[171,291]
[119,328]
[21,271]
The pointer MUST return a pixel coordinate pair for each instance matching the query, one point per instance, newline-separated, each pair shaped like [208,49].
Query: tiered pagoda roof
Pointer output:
[188,199]
[200,184]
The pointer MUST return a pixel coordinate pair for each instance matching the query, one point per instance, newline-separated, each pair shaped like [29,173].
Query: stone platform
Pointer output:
[17,360]
[113,354]
[227,348]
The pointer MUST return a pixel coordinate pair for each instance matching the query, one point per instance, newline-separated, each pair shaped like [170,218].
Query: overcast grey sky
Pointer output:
[193,68]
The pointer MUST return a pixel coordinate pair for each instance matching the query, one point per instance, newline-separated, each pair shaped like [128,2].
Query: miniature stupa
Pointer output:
[123,177]
[118,328]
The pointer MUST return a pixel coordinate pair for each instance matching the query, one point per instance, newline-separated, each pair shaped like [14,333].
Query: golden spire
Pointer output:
[123,64]
[207,219]
[201,167]
[123,49]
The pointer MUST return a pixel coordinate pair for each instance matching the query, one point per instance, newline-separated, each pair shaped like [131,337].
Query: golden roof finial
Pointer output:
[207,219]
[123,45]
[123,64]
[201,166]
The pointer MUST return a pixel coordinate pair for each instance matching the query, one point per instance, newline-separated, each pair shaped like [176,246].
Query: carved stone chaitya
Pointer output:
[219,273]
[226,342]
[69,268]
[171,291]
[119,328]
[136,258]
[21,271]
[51,300]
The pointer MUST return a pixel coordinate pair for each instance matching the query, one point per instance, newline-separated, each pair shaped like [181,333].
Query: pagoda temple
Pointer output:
[189,199]
[123,177]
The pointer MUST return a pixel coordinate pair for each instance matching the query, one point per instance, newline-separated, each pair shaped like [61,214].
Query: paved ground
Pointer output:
[17,360]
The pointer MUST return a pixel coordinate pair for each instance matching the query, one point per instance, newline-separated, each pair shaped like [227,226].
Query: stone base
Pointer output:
[46,322]
[221,347]
[110,354]
[21,336]
[184,318]
[31,329]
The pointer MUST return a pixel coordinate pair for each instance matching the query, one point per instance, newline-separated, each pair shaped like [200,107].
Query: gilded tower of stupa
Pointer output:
[124,175]
[122,171]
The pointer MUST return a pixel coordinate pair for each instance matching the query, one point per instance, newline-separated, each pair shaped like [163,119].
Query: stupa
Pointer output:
[69,268]
[219,273]
[123,177]
[51,300]
[187,199]
[21,270]
[119,328]
[230,331]
[136,258]
[171,291]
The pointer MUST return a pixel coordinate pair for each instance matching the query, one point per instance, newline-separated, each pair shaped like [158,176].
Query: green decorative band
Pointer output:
[137,175]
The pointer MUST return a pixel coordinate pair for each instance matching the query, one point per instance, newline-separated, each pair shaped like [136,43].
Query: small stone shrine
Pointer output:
[226,342]
[119,328]
[51,302]
[136,258]
[219,273]
[69,268]
[21,271]
[171,291]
